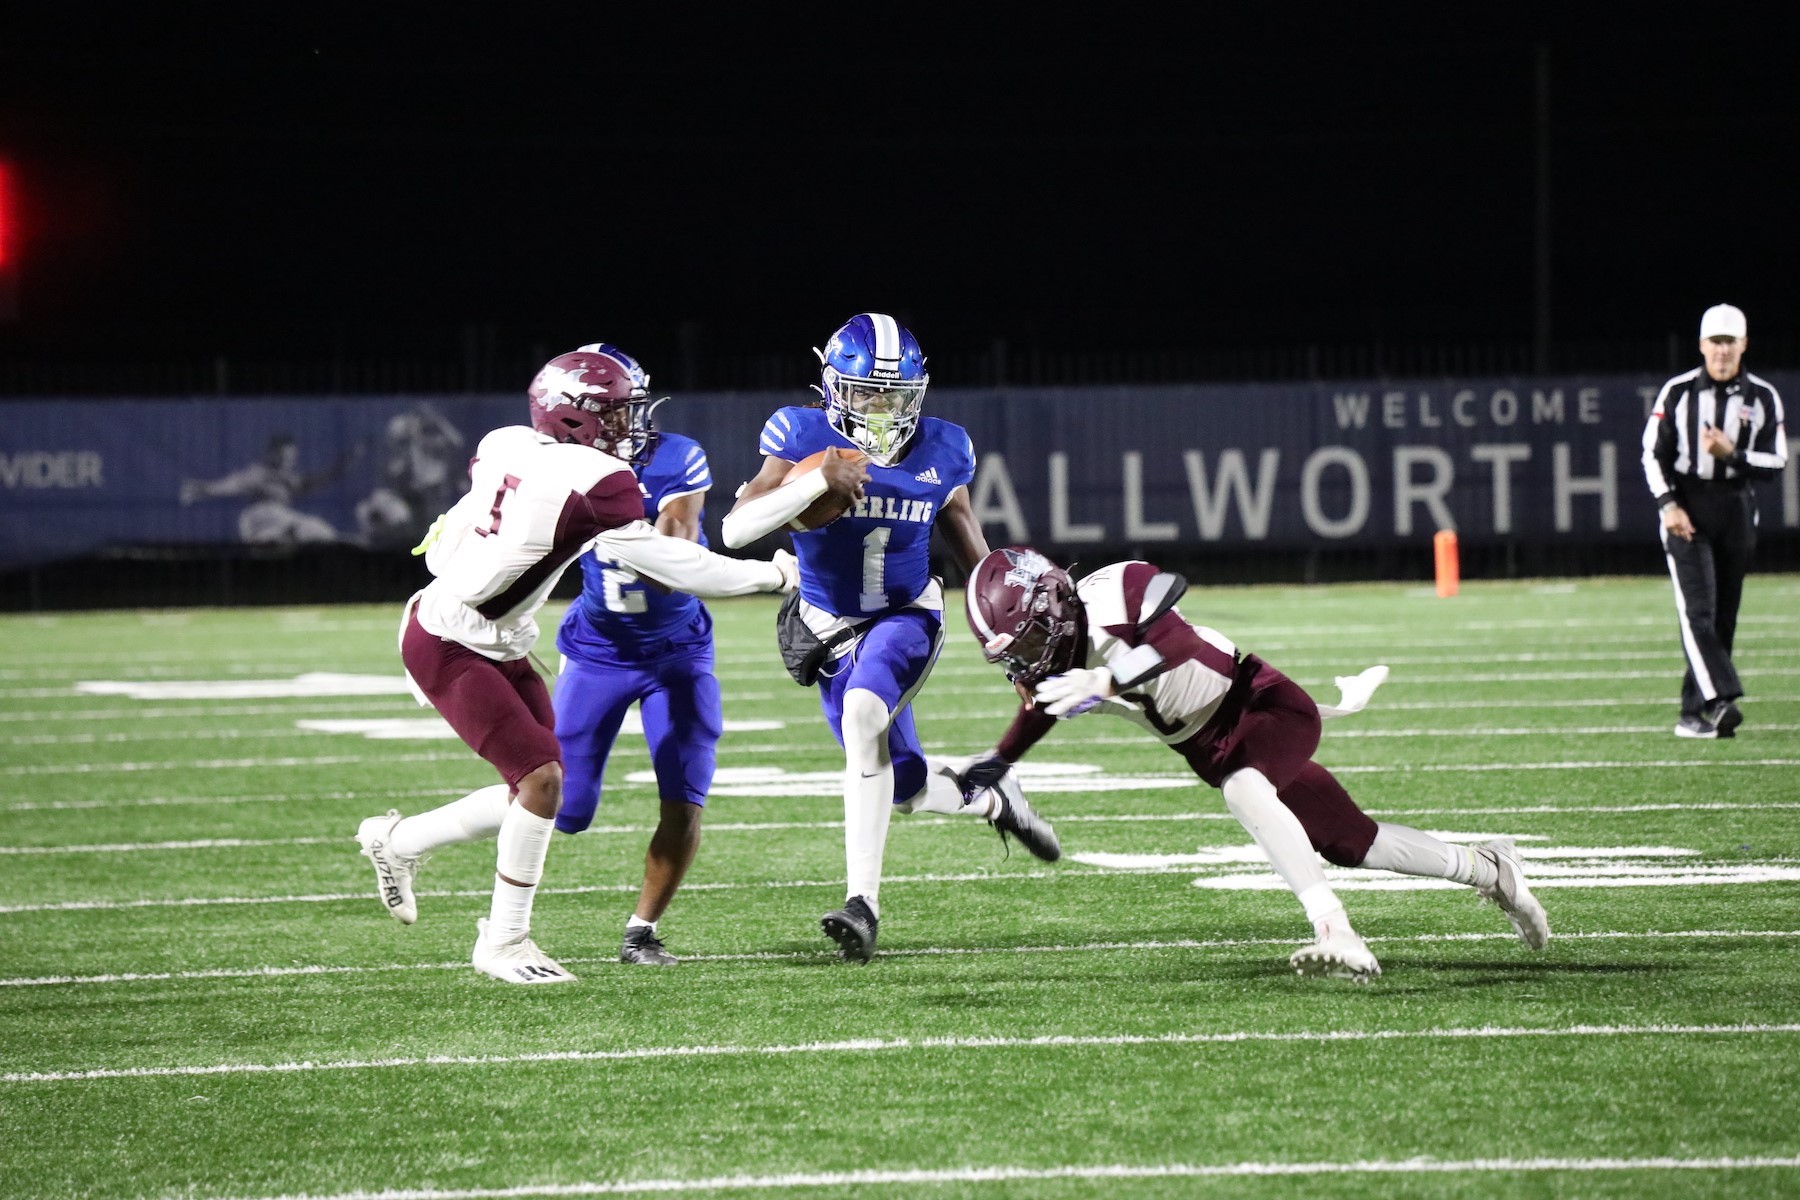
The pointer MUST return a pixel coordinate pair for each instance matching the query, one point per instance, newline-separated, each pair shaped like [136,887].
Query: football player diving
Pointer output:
[1115,643]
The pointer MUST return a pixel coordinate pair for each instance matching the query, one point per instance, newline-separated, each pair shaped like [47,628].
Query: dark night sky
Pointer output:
[198,185]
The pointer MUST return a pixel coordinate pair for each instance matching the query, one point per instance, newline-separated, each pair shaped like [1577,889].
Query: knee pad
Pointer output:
[865,722]
[580,800]
[1345,852]
[1344,838]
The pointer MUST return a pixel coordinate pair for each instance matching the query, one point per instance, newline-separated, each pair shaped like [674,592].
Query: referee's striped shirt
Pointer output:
[1746,409]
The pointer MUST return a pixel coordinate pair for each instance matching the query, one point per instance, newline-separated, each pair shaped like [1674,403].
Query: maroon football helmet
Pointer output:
[1025,613]
[597,394]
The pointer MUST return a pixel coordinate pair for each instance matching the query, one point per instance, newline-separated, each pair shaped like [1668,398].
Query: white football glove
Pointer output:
[789,566]
[1354,693]
[1074,692]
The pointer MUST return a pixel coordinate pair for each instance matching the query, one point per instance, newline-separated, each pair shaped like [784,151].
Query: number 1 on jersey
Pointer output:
[510,484]
[874,592]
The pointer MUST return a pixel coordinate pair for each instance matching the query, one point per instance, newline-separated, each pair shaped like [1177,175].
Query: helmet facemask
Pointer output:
[878,415]
[626,429]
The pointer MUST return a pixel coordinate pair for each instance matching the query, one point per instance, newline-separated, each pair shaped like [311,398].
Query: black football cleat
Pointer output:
[853,928]
[1020,820]
[643,948]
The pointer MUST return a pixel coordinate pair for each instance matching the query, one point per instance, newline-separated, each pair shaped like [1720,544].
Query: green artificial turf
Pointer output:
[180,891]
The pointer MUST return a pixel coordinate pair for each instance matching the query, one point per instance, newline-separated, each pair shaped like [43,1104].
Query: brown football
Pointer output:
[826,508]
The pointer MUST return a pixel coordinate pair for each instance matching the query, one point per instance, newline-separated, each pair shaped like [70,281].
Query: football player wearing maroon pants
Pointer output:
[1115,643]
[539,496]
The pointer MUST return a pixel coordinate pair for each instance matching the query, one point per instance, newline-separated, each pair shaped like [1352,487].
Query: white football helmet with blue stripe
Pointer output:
[874,381]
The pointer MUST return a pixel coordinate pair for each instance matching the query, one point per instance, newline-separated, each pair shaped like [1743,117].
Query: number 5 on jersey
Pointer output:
[506,488]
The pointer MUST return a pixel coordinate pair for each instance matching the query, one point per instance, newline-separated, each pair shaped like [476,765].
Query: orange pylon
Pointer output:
[1449,571]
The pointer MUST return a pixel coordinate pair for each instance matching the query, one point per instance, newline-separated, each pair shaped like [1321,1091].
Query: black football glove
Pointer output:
[981,773]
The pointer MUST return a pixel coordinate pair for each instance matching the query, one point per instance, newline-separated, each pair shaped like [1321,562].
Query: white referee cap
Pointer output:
[1723,320]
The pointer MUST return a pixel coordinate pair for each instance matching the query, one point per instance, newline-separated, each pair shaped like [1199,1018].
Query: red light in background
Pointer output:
[6,216]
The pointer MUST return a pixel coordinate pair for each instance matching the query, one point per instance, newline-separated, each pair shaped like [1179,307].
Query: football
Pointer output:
[826,508]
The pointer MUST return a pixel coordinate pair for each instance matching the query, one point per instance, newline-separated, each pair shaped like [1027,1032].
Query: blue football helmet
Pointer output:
[874,384]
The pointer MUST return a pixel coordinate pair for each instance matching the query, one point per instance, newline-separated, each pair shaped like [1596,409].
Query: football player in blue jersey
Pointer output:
[627,641]
[868,605]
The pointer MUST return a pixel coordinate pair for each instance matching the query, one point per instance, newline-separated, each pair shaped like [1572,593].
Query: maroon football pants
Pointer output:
[501,709]
[1270,724]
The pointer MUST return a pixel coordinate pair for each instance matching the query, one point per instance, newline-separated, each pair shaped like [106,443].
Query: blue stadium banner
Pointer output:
[1546,460]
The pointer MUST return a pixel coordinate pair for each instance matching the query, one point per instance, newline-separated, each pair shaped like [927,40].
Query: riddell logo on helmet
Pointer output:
[884,373]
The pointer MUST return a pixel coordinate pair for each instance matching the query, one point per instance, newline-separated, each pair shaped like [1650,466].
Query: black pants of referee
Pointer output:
[1709,581]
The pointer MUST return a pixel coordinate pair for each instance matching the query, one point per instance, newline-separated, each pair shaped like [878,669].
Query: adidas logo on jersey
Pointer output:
[928,475]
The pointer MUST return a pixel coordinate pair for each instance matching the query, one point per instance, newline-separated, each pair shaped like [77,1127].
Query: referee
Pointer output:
[1713,430]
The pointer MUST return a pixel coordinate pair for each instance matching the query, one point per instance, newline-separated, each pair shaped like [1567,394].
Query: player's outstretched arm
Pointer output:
[1029,725]
[683,566]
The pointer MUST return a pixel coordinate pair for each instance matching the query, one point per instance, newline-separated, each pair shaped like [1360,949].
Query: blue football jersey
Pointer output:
[876,557]
[618,617]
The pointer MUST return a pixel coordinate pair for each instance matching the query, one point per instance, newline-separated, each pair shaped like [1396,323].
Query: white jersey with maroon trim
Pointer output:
[532,507]
[1176,703]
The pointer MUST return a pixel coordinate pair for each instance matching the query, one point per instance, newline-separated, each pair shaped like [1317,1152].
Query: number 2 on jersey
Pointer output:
[508,486]
[618,599]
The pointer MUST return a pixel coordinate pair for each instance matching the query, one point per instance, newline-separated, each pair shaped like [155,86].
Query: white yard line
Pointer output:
[632,749]
[1614,765]
[282,732]
[584,890]
[769,826]
[299,706]
[1770,871]
[876,1045]
[839,1181]
[193,844]
[233,764]
[270,972]
[1662,728]
[294,716]
[762,667]
[442,793]
[1668,702]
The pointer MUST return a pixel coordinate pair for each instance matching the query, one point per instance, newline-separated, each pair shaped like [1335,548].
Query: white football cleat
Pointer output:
[1340,954]
[1511,894]
[393,873]
[517,961]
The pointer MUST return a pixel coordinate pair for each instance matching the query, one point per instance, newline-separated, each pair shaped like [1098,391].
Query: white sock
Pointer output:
[476,816]
[1324,911]
[868,807]
[1252,800]
[942,794]
[509,915]
[1408,851]
[638,922]
[524,840]
[868,794]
